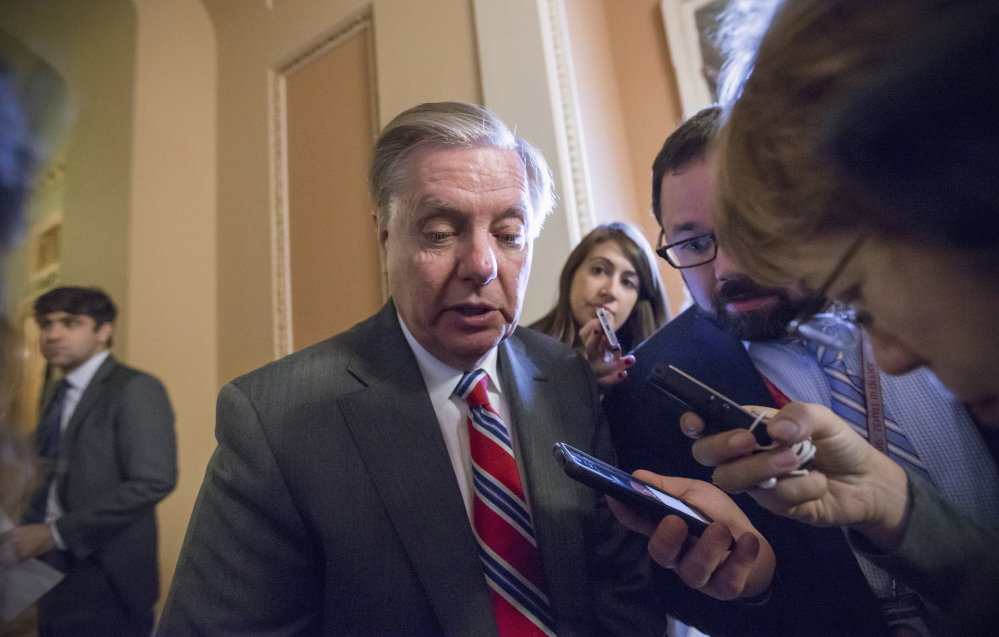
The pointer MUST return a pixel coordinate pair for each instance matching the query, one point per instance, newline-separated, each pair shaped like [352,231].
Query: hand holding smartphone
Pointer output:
[722,414]
[605,323]
[719,413]
[641,496]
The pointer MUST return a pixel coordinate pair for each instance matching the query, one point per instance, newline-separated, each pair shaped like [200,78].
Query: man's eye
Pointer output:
[699,245]
[511,239]
[439,237]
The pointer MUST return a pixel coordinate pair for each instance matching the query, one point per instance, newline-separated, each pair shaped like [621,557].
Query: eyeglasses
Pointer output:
[838,327]
[688,253]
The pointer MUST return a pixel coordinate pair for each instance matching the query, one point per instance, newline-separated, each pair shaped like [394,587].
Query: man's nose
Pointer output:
[724,268]
[479,263]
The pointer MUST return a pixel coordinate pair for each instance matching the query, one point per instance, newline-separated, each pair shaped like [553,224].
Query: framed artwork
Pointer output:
[690,34]
[45,248]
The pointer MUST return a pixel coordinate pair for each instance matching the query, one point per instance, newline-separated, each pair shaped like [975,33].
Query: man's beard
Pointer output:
[765,324]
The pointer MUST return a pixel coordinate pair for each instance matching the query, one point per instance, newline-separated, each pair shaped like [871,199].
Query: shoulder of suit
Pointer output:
[118,369]
[335,352]
[662,346]
[539,345]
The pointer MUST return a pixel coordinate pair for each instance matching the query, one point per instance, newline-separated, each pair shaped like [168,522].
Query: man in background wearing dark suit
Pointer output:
[735,340]
[106,439]
[356,487]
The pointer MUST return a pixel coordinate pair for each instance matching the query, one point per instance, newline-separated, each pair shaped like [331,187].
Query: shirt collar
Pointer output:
[80,377]
[441,378]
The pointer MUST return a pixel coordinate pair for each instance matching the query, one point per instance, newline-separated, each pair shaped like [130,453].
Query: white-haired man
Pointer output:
[380,482]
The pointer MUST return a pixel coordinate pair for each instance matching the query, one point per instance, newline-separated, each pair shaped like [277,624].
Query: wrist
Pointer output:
[890,506]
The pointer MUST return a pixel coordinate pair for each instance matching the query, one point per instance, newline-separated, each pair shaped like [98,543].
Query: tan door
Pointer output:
[334,268]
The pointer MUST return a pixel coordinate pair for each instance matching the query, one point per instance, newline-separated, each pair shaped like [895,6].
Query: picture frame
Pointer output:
[45,248]
[690,28]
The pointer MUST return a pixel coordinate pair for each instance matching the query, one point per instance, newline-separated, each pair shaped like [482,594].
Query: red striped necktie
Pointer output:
[503,528]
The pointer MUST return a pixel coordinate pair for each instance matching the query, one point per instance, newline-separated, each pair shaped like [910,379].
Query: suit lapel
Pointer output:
[399,438]
[535,405]
[741,381]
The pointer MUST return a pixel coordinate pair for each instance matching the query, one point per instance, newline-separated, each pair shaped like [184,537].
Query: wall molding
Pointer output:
[565,105]
[278,164]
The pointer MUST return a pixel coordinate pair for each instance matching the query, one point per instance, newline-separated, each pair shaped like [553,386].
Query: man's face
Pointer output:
[750,311]
[457,250]
[70,340]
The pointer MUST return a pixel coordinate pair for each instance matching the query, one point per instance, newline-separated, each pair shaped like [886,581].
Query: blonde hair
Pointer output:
[777,187]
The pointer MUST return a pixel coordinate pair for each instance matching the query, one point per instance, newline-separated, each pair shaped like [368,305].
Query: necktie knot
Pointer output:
[472,388]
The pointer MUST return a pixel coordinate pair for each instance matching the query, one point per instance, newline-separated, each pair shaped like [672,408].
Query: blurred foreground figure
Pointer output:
[860,163]
[17,166]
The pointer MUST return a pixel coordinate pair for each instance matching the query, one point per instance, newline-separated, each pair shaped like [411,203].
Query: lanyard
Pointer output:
[876,433]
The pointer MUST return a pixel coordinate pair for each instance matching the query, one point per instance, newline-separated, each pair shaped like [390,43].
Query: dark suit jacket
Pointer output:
[117,459]
[331,506]
[818,588]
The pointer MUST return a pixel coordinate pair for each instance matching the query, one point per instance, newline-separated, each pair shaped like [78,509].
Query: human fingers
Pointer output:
[705,554]
[707,497]
[797,421]
[801,497]
[726,446]
[692,425]
[739,575]
[667,541]
[748,472]
[611,372]
[631,519]
[594,341]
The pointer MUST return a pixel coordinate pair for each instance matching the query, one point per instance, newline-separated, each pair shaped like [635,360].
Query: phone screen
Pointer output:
[634,484]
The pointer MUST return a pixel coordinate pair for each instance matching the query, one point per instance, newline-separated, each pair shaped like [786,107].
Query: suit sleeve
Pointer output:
[946,557]
[627,602]
[248,564]
[146,450]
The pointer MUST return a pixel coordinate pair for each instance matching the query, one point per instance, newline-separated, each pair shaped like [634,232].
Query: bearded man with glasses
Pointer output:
[769,346]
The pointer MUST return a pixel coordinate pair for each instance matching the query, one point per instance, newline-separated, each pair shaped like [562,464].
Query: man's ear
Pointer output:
[382,237]
[104,333]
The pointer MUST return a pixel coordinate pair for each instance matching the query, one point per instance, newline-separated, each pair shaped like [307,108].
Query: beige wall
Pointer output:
[92,46]
[172,238]
[139,198]
[629,103]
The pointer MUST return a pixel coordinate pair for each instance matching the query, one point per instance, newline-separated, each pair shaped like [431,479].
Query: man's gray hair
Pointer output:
[457,125]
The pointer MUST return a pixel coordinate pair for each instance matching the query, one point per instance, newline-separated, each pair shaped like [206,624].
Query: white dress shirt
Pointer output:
[78,379]
[452,412]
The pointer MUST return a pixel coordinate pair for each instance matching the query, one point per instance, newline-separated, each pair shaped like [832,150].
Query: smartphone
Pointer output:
[648,500]
[719,413]
[608,330]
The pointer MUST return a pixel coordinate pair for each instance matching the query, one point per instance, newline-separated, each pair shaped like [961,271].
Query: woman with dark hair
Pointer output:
[613,268]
